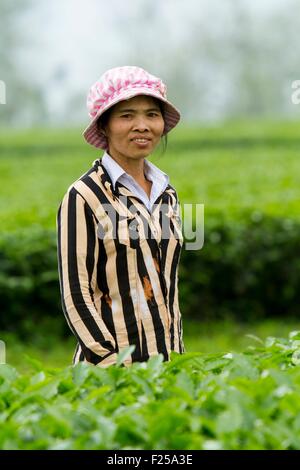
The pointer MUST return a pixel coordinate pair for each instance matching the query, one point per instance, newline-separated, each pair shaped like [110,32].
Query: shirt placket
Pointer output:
[153,219]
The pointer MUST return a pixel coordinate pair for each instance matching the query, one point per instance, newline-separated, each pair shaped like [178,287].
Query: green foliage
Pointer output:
[245,173]
[50,350]
[247,400]
[29,288]
[248,271]
[233,168]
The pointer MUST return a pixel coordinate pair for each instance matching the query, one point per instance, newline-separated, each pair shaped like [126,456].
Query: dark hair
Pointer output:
[164,137]
[104,118]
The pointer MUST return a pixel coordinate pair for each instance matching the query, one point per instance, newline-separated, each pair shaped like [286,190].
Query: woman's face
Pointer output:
[134,127]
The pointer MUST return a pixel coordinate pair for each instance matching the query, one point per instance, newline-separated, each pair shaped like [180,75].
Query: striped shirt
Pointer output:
[118,270]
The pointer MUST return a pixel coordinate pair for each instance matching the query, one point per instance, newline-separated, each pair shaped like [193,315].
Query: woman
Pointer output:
[119,229]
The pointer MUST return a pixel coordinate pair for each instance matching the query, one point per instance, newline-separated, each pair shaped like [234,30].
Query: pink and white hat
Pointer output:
[122,83]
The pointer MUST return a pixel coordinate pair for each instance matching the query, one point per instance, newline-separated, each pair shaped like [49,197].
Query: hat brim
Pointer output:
[171,116]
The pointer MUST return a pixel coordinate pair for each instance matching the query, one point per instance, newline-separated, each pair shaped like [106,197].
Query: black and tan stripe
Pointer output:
[118,290]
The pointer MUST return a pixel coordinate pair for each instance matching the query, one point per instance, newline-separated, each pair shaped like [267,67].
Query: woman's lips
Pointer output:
[141,142]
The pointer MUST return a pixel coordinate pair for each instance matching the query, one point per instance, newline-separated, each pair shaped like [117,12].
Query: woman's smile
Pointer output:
[142,143]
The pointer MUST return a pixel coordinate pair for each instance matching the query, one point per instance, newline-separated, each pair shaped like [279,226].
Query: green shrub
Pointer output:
[247,270]
[236,401]
[29,289]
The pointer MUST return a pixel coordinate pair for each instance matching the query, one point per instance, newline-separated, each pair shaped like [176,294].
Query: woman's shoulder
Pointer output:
[170,189]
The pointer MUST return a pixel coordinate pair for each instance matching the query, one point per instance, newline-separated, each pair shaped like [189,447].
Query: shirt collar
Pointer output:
[115,171]
[154,173]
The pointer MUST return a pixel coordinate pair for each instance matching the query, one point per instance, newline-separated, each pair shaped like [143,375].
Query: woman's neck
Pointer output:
[134,167]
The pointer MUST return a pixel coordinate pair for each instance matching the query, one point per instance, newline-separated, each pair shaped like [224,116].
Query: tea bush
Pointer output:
[246,400]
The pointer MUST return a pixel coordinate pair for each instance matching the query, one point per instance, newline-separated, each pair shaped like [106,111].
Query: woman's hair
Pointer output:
[104,118]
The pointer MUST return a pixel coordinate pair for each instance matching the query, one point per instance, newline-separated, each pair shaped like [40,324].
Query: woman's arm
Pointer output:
[78,250]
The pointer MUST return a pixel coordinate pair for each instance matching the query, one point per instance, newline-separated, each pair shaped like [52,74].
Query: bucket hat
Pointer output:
[122,83]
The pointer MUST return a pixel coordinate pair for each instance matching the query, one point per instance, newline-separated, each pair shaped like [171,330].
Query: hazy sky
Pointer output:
[72,42]
[88,36]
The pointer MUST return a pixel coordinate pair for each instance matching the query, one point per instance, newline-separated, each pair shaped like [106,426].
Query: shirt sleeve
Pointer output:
[78,250]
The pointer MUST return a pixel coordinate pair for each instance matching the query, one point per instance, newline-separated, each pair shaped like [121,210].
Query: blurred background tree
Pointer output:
[24,98]
[220,60]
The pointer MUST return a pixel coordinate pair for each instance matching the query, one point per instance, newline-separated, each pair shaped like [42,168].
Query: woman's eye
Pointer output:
[125,115]
[153,114]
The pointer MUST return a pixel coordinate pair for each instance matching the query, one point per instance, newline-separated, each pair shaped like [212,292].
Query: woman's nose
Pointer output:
[141,123]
